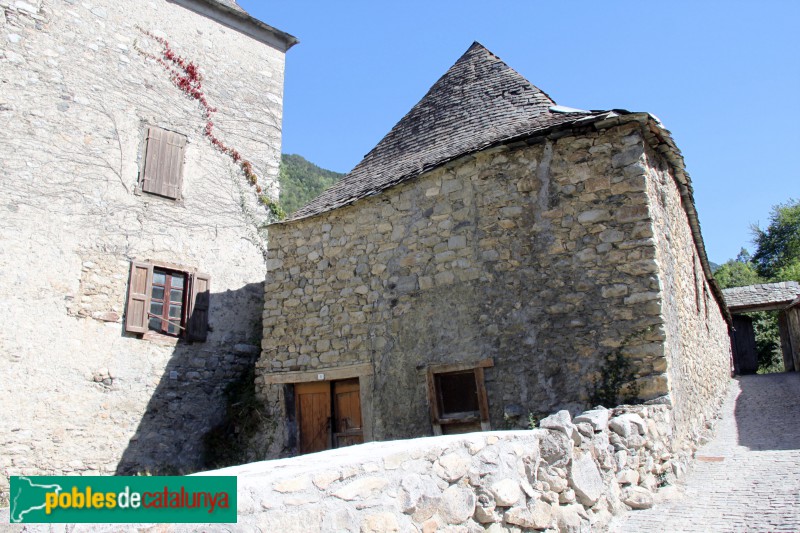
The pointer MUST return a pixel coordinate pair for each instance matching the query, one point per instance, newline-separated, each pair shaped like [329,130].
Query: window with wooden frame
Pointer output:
[169,300]
[457,397]
[162,163]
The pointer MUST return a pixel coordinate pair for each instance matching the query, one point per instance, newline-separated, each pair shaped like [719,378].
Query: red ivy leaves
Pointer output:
[187,77]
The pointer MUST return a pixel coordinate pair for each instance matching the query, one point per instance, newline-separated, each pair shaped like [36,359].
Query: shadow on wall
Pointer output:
[193,394]
[767,411]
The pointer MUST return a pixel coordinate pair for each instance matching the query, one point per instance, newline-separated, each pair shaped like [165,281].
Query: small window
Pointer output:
[457,397]
[162,164]
[168,301]
[457,394]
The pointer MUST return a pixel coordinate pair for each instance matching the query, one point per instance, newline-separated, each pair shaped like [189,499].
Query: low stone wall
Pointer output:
[569,475]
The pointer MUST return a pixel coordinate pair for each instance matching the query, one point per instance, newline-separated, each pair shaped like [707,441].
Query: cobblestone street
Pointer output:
[748,477]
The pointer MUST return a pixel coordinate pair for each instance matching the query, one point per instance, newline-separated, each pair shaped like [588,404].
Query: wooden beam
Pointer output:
[457,367]
[769,306]
[793,322]
[328,374]
[483,398]
[433,404]
[365,397]
[786,344]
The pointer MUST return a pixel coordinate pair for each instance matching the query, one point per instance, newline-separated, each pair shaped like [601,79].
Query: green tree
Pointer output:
[777,256]
[790,272]
[768,343]
[302,181]
[737,272]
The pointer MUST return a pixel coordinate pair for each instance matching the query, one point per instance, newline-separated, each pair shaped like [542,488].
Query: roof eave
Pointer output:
[241,21]
[752,308]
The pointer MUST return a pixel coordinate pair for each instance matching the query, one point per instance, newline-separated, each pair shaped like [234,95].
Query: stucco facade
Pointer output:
[559,266]
[83,86]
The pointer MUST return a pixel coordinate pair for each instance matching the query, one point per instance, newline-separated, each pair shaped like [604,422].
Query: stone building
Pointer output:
[137,138]
[494,258]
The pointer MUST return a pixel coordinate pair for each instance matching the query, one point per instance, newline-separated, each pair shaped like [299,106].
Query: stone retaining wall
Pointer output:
[568,475]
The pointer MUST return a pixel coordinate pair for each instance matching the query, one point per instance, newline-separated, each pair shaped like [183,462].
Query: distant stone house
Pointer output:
[494,258]
[131,292]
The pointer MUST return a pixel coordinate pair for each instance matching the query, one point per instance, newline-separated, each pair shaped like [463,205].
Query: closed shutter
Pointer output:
[163,163]
[138,297]
[197,325]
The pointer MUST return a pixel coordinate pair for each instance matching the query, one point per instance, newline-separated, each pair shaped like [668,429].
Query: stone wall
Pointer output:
[78,394]
[698,349]
[569,475]
[541,257]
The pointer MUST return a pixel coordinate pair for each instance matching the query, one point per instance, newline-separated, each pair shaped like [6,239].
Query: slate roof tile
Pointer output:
[480,101]
[761,295]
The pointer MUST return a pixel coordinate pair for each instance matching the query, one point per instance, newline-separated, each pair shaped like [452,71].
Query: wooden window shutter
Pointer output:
[138,297]
[197,324]
[163,163]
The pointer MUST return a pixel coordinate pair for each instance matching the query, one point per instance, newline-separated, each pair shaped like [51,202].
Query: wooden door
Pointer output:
[314,415]
[348,429]
[745,356]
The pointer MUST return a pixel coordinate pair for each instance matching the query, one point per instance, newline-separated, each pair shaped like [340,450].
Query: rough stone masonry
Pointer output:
[568,262]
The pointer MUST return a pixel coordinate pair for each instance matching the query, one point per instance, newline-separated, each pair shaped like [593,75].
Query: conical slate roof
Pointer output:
[480,101]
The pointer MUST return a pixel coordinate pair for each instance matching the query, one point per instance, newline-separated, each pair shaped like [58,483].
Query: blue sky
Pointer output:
[723,76]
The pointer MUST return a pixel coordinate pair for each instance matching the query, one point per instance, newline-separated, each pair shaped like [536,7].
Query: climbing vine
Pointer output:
[187,77]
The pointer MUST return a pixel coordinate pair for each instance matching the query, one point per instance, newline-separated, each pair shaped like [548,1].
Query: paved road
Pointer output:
[748,477]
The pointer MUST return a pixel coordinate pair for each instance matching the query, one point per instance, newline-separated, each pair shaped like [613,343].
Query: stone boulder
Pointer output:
[457,505]
[562,421]
[597,418]
[585,479]
[506,492]
[628,424]
[637,498]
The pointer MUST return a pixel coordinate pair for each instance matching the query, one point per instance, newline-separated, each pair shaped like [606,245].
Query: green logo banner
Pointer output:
[123,499]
